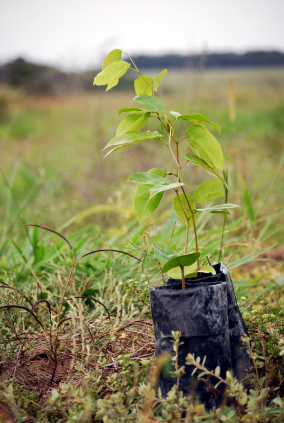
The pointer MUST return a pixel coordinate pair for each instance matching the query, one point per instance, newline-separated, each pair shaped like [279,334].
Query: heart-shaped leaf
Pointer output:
[113,56]
[153,104]
[190,271]
[184,260]
[143,85]
[111,74]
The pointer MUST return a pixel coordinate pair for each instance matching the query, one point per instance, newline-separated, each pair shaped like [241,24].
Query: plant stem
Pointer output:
[186,236]
[181,139]
[137,70]
[225,176]
[176,159]
[194,225]
[178,167]
[182,277]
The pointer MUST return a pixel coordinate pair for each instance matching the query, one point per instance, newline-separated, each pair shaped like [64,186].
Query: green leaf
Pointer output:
[122,146]
[111,74]
[200,162]
[147,178]
[208,269]
[249,204]
[133,122]
[160,188]
[219,207]
[131,109]
[132,138]
[217,371]
[113,56]
[175,114]
[220,212]
[143,85]
[153,104]
[189,271]
[205,146]
[143,204]
[184,260]
[179,210]
[162,130]
[198,117]
[208,191]
[159,79]
[164,255]
[243,398]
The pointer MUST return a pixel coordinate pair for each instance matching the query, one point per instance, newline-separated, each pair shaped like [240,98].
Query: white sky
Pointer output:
[76,34]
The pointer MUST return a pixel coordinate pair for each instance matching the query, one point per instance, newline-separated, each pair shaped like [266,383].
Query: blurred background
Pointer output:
[225,59]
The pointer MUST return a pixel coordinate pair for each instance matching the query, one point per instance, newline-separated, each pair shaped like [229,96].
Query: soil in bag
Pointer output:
[200,313]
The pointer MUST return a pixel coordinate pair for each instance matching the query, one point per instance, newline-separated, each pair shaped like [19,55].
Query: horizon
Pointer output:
[169,54]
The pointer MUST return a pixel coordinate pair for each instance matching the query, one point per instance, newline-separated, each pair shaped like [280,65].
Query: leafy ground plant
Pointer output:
[153,184]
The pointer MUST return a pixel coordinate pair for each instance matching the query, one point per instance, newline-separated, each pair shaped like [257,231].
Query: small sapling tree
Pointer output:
[153,183]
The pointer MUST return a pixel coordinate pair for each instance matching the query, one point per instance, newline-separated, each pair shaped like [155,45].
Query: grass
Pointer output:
[53,175]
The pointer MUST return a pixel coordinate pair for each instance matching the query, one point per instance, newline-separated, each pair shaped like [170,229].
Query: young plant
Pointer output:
[152,184]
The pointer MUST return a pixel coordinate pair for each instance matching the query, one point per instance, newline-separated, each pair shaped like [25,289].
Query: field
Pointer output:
[53,174]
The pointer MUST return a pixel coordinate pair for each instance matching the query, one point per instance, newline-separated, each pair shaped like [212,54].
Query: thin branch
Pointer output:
[137,70]
[116,251]
[194,225]
[51,230]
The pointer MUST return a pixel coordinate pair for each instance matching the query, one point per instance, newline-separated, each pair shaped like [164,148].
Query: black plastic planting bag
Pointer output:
[241,362]
[207,315]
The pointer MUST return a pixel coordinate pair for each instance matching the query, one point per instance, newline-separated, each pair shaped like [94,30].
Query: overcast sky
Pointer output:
[76,34]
